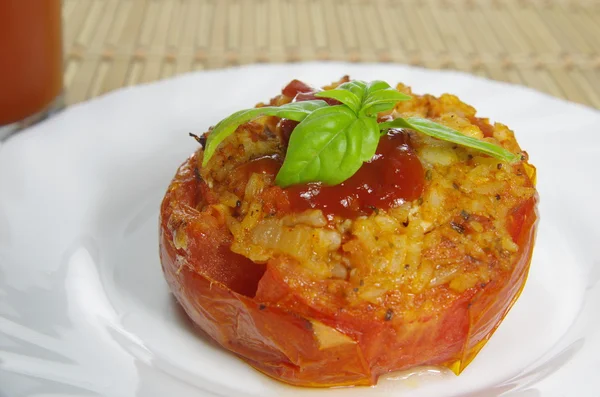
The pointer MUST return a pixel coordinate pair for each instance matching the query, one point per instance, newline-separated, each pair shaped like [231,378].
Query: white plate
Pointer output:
[84,309]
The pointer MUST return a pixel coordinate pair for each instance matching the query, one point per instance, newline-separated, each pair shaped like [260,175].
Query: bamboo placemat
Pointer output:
[551,45]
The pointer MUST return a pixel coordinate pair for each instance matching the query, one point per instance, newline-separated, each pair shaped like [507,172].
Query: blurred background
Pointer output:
[550,45]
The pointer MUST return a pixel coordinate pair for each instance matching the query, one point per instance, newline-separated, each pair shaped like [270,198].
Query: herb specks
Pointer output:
[428,175]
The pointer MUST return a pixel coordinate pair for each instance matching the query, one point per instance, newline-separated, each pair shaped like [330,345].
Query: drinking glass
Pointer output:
[31,71]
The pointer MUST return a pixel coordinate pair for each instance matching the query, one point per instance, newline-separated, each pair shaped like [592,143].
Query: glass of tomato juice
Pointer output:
[31,68]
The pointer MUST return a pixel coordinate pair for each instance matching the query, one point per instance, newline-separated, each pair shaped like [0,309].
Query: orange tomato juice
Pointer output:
[30,57]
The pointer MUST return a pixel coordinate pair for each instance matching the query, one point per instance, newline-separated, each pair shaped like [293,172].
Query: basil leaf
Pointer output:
[444,133]
[346,97]
[328,146]
[380,97]
[296,111]
[366,98]
[357,87]
[350,94]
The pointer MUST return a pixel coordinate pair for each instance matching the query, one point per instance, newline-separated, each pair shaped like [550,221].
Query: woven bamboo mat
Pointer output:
[550,45]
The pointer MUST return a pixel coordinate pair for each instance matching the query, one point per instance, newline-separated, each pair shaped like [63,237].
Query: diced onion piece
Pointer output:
[329,337]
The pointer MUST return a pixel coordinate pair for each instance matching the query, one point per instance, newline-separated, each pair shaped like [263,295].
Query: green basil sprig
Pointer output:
[332,142]
[366,99]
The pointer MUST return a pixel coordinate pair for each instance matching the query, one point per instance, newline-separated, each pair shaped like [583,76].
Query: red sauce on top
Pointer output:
[393,176]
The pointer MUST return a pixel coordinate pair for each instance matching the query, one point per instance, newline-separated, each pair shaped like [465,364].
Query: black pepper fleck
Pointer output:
[457,227]
[197,174]
[465,215]
[499,166]
[455,185]
[420,201]
[355,289]
[238,204]
[406,267]
[498,197]
[261,307]
[389,314]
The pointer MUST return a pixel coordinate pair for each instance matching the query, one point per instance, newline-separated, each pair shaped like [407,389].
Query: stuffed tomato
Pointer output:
[413,259]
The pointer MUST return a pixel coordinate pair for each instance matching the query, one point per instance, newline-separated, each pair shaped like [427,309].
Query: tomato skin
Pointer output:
[296,87]
[253,311]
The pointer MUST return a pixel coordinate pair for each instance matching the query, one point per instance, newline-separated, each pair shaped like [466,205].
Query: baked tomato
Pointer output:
[331,286]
